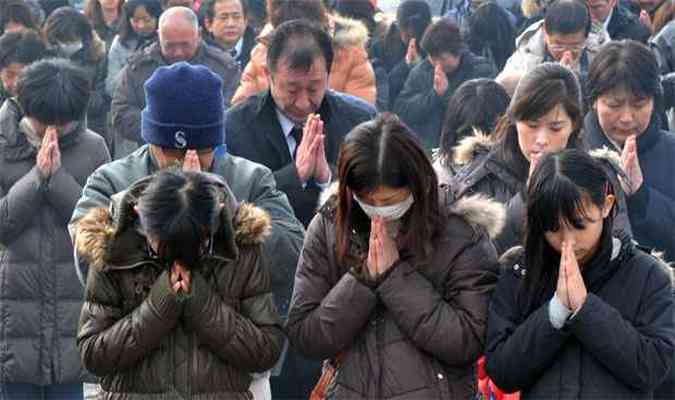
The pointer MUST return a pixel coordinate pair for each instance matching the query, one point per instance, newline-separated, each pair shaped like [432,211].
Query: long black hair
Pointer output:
[476,104]
[561,188]
[538,92]
[383,152]
[180,210]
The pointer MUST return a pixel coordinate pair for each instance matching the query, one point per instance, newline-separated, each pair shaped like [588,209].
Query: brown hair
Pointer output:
[664,14]
[538,92]
[383,152]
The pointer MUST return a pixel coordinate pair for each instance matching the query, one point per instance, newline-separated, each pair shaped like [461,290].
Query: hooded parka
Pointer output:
[143,341]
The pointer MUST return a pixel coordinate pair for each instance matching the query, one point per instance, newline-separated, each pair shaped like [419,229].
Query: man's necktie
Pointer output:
[296,133]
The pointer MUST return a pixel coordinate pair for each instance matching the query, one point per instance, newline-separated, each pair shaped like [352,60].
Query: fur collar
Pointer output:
[477,210]
[471,146]
[606,154]
[348,32]
[108,238]
[479,143]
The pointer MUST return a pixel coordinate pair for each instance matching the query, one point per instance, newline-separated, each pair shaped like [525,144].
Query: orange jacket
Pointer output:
[351,71]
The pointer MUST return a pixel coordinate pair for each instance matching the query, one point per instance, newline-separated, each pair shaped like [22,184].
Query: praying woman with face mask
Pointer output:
[394,278]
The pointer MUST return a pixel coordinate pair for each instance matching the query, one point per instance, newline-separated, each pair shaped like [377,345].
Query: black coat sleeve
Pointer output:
[518,351]
[418,99]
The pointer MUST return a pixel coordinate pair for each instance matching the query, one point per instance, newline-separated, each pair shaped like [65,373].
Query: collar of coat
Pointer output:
[111,239]
[479,211]
[480,144]
[596,137]
[13,143]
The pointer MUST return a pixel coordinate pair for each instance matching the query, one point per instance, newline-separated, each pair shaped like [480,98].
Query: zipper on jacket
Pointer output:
[188,370]
[379,344]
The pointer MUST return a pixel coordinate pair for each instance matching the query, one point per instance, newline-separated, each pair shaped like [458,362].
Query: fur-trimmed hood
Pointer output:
[470,146]
[111,239]
[348,32]
[478,211]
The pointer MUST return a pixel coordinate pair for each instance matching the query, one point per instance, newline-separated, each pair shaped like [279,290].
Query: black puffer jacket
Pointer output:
[625,25]
[620,344]
[145,343]
[422,108]
[485,172]
[40,296]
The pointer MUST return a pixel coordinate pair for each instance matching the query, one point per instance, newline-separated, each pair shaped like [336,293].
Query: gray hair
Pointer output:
[173,14]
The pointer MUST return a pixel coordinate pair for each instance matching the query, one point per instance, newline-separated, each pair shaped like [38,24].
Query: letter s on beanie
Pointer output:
[184,108]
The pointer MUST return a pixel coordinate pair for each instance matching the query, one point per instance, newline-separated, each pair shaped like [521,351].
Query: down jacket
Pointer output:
[143,341]
[248,181]
[422,108]
[40,297]
[416,334]
[350,72]
[619,345]
[485,172]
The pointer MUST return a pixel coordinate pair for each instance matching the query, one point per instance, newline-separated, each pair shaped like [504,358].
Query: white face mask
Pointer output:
[388,213]
[68,49]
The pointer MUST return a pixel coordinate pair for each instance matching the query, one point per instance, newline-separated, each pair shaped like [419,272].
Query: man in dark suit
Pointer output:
[296,127]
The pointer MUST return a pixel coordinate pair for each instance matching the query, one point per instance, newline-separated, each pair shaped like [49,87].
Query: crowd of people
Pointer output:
[337,199]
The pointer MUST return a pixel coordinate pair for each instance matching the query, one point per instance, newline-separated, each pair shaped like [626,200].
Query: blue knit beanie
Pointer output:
[184,108]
